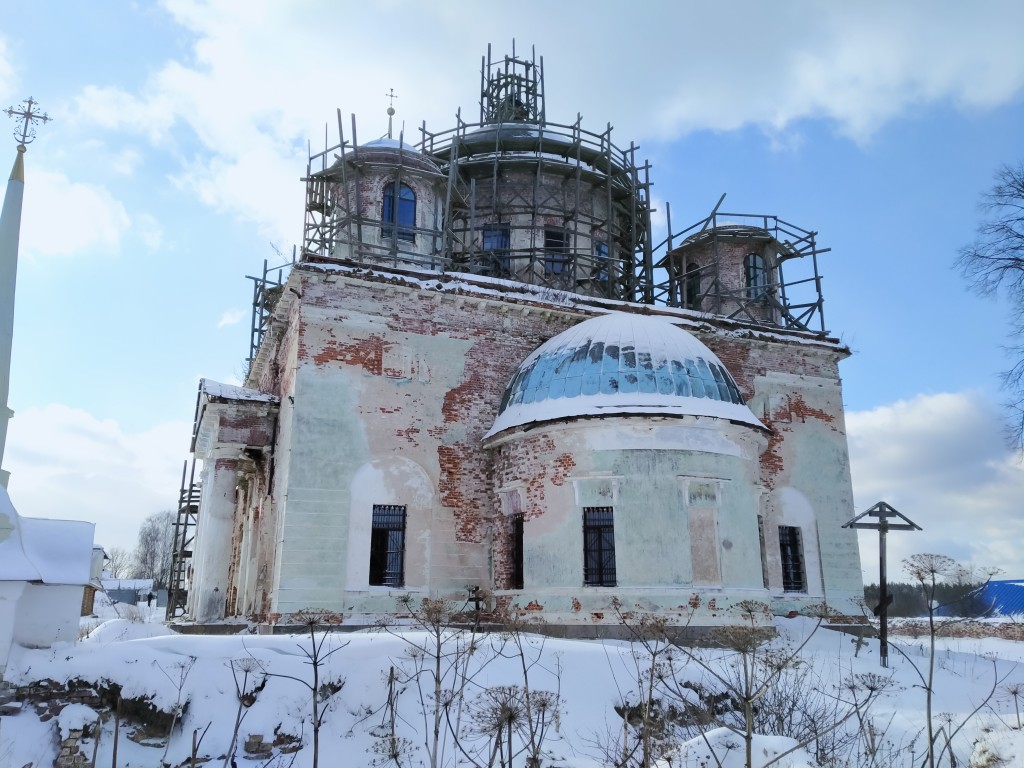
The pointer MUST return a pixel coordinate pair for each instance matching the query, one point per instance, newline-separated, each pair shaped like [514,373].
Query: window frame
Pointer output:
[755,275]
[792,560]
[556,254]
[501,256]
[387,551]
[601,271]
[517,549]
[691,285]
[599,569]
[405,200]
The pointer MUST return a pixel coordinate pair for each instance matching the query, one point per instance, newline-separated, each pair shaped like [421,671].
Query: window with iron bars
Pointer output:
[598,547]
[794,575]
[516,531]
[387,546]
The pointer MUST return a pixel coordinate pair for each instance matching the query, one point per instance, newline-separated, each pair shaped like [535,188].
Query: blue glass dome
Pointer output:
[621,364]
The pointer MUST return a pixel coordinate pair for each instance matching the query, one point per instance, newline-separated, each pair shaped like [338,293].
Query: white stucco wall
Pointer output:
[212,554]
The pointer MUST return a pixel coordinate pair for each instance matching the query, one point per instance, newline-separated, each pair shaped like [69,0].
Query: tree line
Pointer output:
[151,557]
[963,600]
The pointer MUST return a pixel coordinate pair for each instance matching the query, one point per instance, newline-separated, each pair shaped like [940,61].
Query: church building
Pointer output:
[481,376]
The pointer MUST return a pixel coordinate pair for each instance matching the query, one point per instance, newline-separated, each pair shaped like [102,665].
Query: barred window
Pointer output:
[794,576]
[387,546]
[516,529]
[598,547]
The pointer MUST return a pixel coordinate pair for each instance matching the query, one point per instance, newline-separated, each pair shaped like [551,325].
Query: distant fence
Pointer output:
[135,596]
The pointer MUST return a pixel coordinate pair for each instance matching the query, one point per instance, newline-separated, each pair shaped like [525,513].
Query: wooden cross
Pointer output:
[27,115]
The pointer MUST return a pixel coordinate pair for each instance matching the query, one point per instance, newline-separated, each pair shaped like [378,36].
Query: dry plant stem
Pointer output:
[315,657]
[183,667]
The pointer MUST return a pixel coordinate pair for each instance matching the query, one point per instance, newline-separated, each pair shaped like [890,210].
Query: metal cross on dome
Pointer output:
[27,114]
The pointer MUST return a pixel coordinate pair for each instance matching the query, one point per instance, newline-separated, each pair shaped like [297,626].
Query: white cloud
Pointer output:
[231,317]
[112,108]
[259,82]
[65,463]
[942,461]
[90,217]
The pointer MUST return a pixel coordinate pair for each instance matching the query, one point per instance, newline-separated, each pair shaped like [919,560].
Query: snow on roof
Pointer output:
[621,363]
[387,142]
[217,391]
[40,549]
[505,289]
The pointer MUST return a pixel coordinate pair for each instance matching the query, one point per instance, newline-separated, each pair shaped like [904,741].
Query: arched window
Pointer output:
[691,286]
[757,276]
[404,202]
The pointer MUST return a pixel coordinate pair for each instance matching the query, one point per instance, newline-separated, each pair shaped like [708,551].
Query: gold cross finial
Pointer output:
[27,114]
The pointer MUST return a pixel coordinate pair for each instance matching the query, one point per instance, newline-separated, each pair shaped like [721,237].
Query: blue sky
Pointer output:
[171,171]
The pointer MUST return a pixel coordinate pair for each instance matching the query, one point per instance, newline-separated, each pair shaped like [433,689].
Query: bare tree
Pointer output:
[995,260]
[153,553]
[119,562]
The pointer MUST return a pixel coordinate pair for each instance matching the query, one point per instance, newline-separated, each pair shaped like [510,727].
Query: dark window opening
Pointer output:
[794,577]
[387,546]
[601,272]
[756,276]
[556,252]
[516,525]
[764,559]
[598,547]
[495,242]
[691,286]
[404,201]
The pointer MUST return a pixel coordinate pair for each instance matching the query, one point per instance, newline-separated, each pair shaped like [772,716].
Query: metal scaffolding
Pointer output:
[515,197]
[691,270]
[184,535]
[518,198]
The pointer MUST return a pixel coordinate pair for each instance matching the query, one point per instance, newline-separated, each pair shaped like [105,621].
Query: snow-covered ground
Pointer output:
[366,717]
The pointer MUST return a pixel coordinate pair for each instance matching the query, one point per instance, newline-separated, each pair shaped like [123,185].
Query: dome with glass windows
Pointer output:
[621,364]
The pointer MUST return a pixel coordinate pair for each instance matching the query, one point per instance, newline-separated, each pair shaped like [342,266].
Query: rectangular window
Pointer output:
[598,547]
[794,577]
[516,530]
[756,276]
[495,246]
[600,271]
[387,546]
[556,252]
[403,200]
